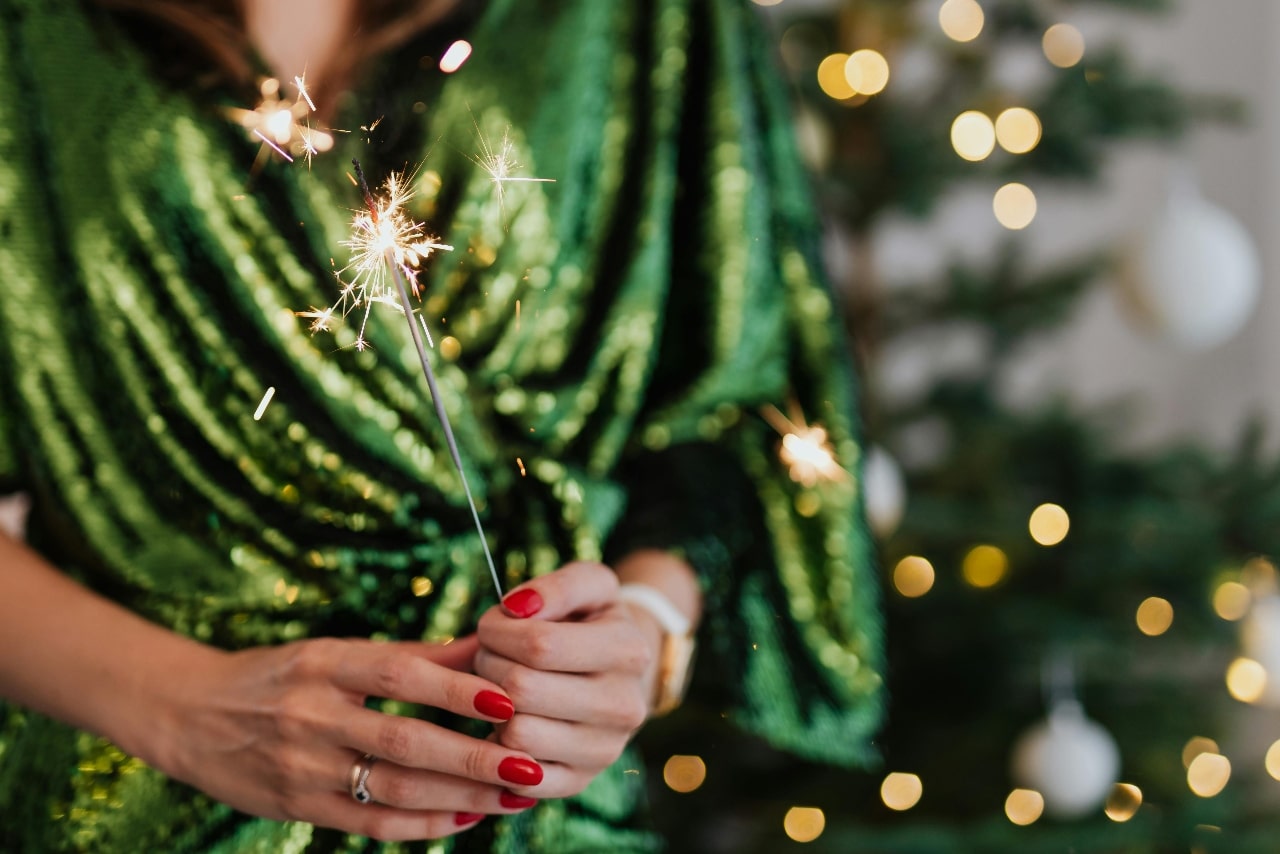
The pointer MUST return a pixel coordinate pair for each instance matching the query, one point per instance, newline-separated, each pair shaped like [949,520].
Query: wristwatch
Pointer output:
[677,645]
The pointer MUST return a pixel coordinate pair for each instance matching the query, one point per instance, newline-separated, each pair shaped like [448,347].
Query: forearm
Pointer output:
[77,657]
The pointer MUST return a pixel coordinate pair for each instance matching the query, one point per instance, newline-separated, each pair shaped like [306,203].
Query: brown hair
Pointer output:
[218,27]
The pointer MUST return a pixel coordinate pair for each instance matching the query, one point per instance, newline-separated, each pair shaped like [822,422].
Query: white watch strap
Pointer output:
[668,615]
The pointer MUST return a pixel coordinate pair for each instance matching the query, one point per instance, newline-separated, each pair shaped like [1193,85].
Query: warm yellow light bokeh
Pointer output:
[1123,802]
[1246,680]
[767,2]
[901,791]
[454,56]
[984,566]
[1273,760]
[1063,45]
[1259,575]
[421,586]
[1195,746]
[1231,600]
[913,576]
[1015,208]
[973,135]
[1024,806]
[804,824]
[1208,773]
[1018,130]
[1049,524]
[684,773]
[831,77]
[1155,616]
[961,20]
[867,72]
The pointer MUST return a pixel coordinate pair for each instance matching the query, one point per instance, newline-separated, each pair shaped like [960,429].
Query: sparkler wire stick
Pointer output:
[436,400]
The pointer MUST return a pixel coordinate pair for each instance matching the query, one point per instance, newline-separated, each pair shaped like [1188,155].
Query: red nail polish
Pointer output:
[523,603]
[520,771]
[467,818]
[494,705]
[512,801]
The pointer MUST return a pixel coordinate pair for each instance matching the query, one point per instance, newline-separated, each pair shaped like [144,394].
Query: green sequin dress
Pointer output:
[605,344]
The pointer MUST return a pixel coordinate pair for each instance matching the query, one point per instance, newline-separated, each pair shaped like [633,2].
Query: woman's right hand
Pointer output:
[275,732]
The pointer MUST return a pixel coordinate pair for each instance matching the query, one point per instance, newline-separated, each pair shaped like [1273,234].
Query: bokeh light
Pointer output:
[1246,680]
[1208,773]
[1231,600]
[1123,802]
[973,135]
[961,20]
[913,576]
[453,57]
[1063,45]
[684,773]
[867,72]
[1015,208]
[1195,746]
[831,77]
[1154,616]
[984,566]
[901,791]
[1018,130]
[1049,524]
[421,586]
[804,824]
[1273,760]
[1024,806]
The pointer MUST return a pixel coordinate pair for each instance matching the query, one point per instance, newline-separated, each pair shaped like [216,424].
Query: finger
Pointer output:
[611,643]
[408,788]
[426,746]
[397,672]
[602,699]
[550,741]
[561,781]
[573,589]
[386,823]
[456,654]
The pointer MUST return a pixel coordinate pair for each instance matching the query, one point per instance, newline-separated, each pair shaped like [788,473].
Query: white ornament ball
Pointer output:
[1260,639]
[1193,276]
[1069,759]
[884,492]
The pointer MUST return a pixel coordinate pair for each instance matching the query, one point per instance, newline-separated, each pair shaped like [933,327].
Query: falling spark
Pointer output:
[259,134]
[806,450]
[266,400]
[500,163]
[520,463]
[302,90]
[517,315]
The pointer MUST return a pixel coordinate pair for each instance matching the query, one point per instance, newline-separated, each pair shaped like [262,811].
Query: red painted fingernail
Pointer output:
[467,818]
[512,801]
[523,603]
[494,705]
[520,771]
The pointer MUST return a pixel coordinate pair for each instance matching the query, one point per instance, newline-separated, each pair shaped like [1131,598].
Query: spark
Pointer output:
[282,126]
[806,449]
[499,163]
[266,400]
[520,463]
[517,315]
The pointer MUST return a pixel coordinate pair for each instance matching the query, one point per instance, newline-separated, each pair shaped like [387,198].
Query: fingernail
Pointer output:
[467,818]
[520,771]
[523,603]
[512,801]
[494,705]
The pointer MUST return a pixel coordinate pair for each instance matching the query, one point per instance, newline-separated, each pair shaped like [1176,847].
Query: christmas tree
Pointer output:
[1074,629]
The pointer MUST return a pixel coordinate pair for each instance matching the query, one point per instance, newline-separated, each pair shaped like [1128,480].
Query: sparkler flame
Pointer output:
[806,449]
[282,126]
[500,164]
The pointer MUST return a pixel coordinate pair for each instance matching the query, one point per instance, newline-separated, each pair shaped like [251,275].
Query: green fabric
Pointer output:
[614,333]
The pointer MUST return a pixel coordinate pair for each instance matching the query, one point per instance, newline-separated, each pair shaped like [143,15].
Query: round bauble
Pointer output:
[1069,759]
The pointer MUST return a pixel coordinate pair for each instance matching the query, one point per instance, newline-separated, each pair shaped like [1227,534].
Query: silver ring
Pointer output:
[359,778]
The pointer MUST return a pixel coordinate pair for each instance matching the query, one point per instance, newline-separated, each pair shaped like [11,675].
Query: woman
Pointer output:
[187,633]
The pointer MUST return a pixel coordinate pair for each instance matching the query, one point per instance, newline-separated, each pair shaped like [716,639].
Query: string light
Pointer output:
[1049,524]
[867,72]
[984,566]
[1246,680]
[1273,760]
[804,824]
[961,20]
[1123,802]
[973,135]
[1231,600]
[1154,616]
[1024,806]
[1014,206]
[1063,45]
[913,576]
[1195,746]
[832,79]
[1208,773]
[901,791]
[1018,130]
[684,774]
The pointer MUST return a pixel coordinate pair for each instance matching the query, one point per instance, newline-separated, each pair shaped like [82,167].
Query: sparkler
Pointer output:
[806,449]
[281,126]
[499,163]
[387,248]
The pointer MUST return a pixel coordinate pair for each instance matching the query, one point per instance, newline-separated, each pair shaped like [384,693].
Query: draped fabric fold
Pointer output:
[604,343]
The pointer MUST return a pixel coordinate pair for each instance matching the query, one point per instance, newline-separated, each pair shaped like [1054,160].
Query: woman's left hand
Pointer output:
[578,664]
